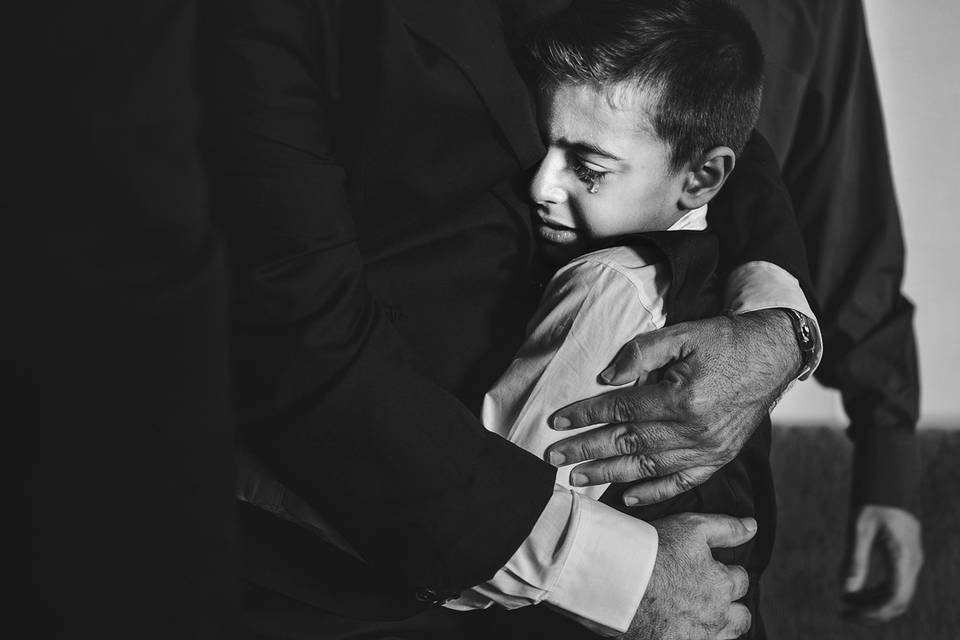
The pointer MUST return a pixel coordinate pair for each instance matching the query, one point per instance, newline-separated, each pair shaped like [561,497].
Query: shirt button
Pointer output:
[426,595]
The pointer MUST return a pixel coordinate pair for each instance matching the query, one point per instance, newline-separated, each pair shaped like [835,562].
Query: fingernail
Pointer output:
[608,374]
[578,479]
[750,524]
[630,501]
[556,458]
[559,422]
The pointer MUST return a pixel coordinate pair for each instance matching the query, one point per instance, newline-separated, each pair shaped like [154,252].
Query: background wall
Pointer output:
[918,69]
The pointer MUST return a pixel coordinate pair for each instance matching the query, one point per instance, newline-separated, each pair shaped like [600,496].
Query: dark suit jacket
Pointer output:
[368,168]
[120,430]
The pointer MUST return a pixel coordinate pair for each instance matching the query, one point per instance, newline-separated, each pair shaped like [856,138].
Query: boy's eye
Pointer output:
[589,176]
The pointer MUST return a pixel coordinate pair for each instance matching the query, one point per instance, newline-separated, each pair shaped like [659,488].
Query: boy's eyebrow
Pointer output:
[587,147]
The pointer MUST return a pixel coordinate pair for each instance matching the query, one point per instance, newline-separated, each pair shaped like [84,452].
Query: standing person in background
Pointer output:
[121,430]
[822,116]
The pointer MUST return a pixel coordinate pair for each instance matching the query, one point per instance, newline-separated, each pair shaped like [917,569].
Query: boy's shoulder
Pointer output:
[614,271]
[637,263]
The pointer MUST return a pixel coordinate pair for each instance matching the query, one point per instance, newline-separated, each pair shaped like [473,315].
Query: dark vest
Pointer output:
[743,487]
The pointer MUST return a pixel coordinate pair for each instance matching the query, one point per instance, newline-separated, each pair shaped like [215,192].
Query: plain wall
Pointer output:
[918,69]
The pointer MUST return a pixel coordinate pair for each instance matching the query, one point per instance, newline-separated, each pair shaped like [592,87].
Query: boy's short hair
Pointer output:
[699,59]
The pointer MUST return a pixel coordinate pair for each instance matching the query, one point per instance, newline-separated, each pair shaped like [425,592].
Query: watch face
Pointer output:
[805,340]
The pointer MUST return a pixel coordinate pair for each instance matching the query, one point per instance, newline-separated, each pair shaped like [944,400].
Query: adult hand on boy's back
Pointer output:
[691,596]
[701,389]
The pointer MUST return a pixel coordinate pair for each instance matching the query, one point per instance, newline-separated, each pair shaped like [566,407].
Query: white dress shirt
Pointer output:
[583,557]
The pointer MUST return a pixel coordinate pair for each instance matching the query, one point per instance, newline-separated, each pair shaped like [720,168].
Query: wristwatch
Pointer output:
[806,341]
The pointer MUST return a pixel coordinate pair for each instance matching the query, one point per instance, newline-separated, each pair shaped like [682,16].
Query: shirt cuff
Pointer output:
[759,285]
[609,567]
[886,469]
[583,558]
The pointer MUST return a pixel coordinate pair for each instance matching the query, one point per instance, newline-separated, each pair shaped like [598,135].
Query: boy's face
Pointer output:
[606,172]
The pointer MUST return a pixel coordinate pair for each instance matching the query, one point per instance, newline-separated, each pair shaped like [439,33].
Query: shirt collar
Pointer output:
[693,220]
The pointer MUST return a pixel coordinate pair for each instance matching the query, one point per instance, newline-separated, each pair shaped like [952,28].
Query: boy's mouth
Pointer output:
[554,232]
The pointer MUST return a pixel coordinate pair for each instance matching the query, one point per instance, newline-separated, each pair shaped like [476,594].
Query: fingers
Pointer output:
[630,404]
[907,558]
[738,616]
[738,622]
[893,607]
[877,604]
[864,532]
[628,468]
[899,533]
[722,531]
[616,440]
[739,581]
[642,355]
[660,489]
[902,545]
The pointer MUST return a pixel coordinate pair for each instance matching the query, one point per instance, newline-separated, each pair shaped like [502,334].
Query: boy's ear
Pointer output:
[703,181]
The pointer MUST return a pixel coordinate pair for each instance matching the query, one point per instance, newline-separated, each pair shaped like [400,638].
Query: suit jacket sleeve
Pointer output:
[329,399]
[838,171]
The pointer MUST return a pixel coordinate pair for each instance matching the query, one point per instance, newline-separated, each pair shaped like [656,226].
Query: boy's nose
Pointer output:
[546,186]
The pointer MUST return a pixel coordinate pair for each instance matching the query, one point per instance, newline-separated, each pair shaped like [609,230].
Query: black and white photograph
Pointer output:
[484,319]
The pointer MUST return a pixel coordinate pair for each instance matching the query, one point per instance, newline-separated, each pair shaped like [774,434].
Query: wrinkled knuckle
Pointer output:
[623,408]
[684,482]
[583,415]
[662,494]
[643,466]
[599,474]
[629,442]
[585,451]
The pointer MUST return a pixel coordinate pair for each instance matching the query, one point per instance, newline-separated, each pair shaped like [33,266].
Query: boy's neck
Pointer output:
[691,220]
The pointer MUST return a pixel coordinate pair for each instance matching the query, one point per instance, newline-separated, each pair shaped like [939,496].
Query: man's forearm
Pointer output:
[771,337]
[879,382]
[757,286]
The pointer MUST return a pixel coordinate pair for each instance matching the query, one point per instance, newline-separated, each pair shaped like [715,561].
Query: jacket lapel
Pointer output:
[469,32]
